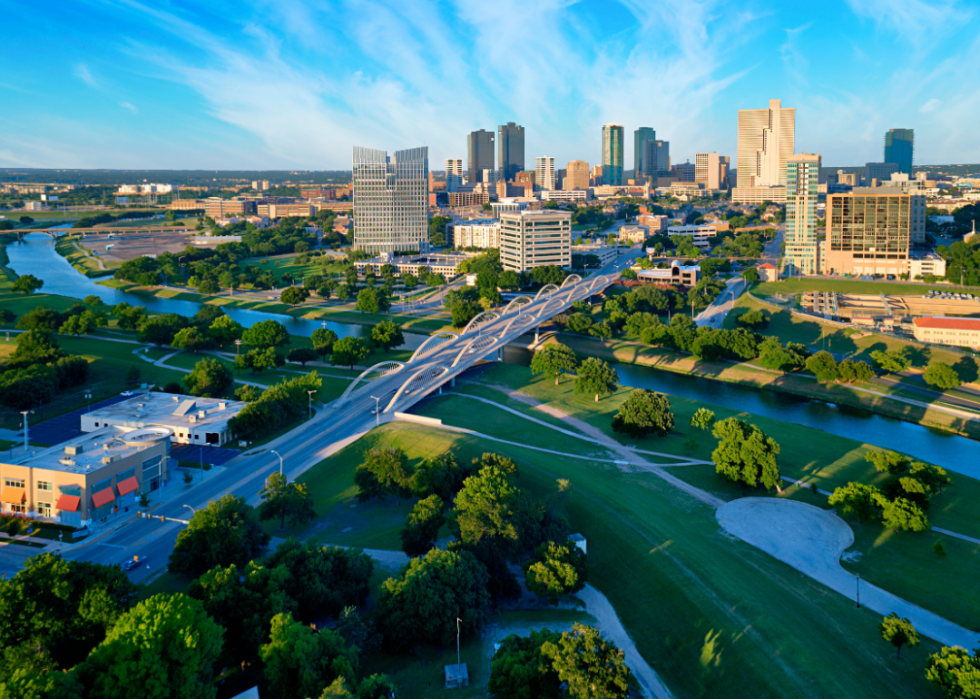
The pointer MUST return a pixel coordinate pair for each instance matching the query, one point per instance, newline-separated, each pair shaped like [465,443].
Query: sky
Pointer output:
[294,84]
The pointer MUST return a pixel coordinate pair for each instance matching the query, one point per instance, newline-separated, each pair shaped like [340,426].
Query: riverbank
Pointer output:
[627,352]
[82,259]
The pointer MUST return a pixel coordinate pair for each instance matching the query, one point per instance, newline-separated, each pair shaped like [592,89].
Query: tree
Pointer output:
[519,669]
[903,515]
[745,454]
[384,473]
[41,318]
[36,347]
[371,300]
[891,361]
[440,475]
[955,671]
[160,330]
[265,334]
[422,526]
[129,317]
[209,378]
[756,320]
[851,371]
[424,602]
[751,275]
[164,647]
[259,359]
[579,322]
[348,351]
[557,570]
[702,418]
[490,509]
[27,284]
[300,661]
[644,412]
[191,339]
[208,286]
[463,311]
[596,378]
[888,461]
[225,532]
[939,548]
[301,355]
[554,360]
[283,499]
[823,366]
[323,340]
[592,666]
[941,376]
[343,292]
[224,331]
[899,632]
[857,500]
[293,295]
[75,325]
[509,280]
[387,335]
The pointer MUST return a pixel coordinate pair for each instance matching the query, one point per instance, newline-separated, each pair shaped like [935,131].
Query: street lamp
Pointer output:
[280,460]
[88,398]
[25,413]
[310,393]
[377,412]
[193,511]
[857,583]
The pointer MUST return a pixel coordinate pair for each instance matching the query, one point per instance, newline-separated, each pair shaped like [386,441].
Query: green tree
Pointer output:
[891,361]
[857,500]
[702,418]
[75,325]
[384,473]
[955,672]
[27,284]
[344,292]
[899,632]
[164,647]
[41,318]
[225,532]
[851,371]
[745,454]
[36,347]
[422,526]
[284,500]
[323,340]
[293,295]
[423,603]
[209,378]
[300,661]
[265,334]
[490,509]
[556,571]
[519,669]
[160,330]
[129,317]
[302,355]
[823,366]
[554,360]
[371,300]
[208,286]
[348,351]
[644,412]
[191,340]
[259,359]
[941,376]
[596,378]
[751,275]
[939,548]
[888,461]
[592,666]
[224,331]
[903,515]
[756,320]
[387,335]
[440,475]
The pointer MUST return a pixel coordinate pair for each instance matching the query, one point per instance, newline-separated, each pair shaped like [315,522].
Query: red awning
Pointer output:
[68,503]
[103,497]
[15,496]
[127,486]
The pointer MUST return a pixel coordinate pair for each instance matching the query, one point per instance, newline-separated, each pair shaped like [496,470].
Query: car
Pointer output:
[375,411]
[132,563]
[127,393]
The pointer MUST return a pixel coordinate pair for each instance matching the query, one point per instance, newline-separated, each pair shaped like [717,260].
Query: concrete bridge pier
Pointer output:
[452,382]
[500,354]
[537,334]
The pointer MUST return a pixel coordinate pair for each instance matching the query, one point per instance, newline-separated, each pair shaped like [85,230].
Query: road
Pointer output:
[714,315]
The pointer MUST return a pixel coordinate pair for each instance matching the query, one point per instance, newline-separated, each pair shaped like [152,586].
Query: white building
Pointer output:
[565,195]
[193,420]
[391,204]
[509,205]
[923,265]
[702,234]
[607,254]
[530,239]
[544,172]
[454,174]
[478,233]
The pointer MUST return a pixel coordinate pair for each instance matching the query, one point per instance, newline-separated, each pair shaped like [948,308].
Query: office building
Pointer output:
[877,173]
[454,174]
[277,211]
[544,172]
[676,274]
[564,194]
[466,198]
[215,207]
[508,204]
[642,165]
[510,150]
[479,152]
[595,175]
[711,170]
[390,200]
[869,231]
[530,239]
[612,154]
[684,172]
[478,233]
[802,178]
[703,235]
[900,148]
[766,139]
[577,177]
[957,332]
[260,185]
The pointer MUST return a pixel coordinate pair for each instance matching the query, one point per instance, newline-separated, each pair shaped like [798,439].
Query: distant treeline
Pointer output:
[210,178]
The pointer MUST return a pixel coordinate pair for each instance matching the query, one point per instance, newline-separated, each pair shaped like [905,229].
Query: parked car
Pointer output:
[127,393]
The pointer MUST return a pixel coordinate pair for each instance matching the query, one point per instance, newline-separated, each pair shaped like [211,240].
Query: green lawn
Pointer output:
[82,260]
[282,264]
[846,286]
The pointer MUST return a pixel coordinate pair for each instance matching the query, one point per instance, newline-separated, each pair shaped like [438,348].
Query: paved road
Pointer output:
[714,315]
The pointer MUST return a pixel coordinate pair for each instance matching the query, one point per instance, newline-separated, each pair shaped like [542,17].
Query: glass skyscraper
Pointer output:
[510,150]
[802,178]
[641,164]
[479,153]
[391,211]
[612,154]
[899,147]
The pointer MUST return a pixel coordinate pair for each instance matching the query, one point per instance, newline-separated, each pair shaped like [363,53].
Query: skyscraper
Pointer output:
[899,148]
[578,175]
[479,151]
[612,154]
[766,139]
[641,165]
[454,174]
[710,170]
[658,156]
[544,172]
[390,200]
[802,178]
[510,150]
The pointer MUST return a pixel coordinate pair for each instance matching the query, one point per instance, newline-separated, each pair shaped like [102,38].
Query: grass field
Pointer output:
[848,286]
[282,264]
[82,260]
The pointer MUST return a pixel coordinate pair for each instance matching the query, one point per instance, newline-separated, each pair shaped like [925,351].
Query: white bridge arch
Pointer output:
[433,343]
[380,370]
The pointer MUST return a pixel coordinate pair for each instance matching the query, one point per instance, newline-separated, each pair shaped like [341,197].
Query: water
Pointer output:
[952,452]
[36,255]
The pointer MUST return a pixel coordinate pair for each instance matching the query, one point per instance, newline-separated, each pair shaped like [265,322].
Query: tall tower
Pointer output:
[454,174]
[802,178]
[576,175]
[612,154]
[658,156]
[479,151]
[899,148]
[391,200]
[642,167]
[766,140]
[510,150]
[544,172]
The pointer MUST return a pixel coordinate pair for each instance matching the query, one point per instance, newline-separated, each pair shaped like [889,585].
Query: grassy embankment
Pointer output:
[787,287]
[70,247]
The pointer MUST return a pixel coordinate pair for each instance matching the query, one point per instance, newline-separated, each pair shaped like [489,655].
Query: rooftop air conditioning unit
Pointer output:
[110,458]
[192,419]
[201,414]
[74,449]
[222,405]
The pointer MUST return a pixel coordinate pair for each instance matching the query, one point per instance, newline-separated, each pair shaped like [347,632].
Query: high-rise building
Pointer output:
[530,239]
[711,170]
[876,173]
[802,178]
[454,174]
[642,167]
[869,230]
[390,200]
[658,156]
[510,150]
[578,175]
[899,148]
[544,172]
[684,172]
[612,154]
[766,139]
[479,151]
[596,175]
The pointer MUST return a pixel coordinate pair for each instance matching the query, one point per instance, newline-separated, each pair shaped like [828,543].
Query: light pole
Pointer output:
[377,412]
[310,394]
[193,511]
[25,413]
[238,344]
[88,399]
[280,460]
[857,584]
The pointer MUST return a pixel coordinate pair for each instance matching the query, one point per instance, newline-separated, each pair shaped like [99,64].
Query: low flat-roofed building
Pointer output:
[564,194]
[758,195]
[607,254]
[702,233]
[958,332]
[478,233]
[675,274]
[446,265]
[192,420]
[925,264]
[91,478]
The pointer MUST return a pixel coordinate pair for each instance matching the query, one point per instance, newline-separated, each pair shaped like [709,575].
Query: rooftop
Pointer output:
[90,451]
[943,323]
[169,410]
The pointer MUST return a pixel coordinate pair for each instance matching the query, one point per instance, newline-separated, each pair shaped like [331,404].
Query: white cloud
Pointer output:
[930,106]
[919,21]
[85,75]
[794,62]
[130,107]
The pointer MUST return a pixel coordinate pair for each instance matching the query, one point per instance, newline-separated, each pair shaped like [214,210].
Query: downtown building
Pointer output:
[900,149]
[802,254]
[711,170]
[544,172]
[766,140]
[644,158]
[530,239]
[612,154]
[454,174]
[391,200]
[510,150]
[476,233]
[577,175]
[479,153]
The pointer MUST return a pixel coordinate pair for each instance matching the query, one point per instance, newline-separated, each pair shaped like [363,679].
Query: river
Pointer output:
[36,255]
[952,452]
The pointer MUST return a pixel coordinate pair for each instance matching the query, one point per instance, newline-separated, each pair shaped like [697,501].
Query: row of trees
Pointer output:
[37,370]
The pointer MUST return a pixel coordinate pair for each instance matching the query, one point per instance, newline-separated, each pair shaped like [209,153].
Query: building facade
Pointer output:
[530,239]
[391,211]
[510,150]
[479,154]
[643,164]
[544,172]
[958,332]
[189,419]
[463,199]
[215,207]
[478,233]
[711,170]
[684,172]
[900,149]
[658,156]
[868,232]
[612,154]
[577,176]
[703,235]
[877,173]
[674,274]
[802,254]
[454,174]
[766,139]
[564,195]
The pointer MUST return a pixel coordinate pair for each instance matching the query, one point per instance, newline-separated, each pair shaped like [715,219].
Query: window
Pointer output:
[13,482]
[44,509]
[45,485]
[123,475]
[102,485]
[75,490]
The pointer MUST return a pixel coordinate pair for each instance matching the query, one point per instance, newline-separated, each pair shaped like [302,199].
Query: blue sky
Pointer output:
[273,84]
